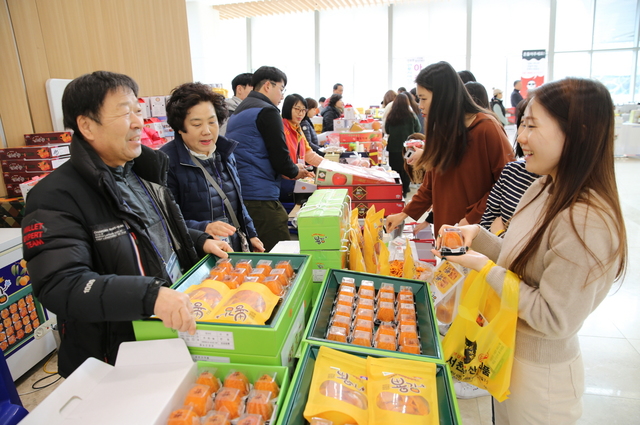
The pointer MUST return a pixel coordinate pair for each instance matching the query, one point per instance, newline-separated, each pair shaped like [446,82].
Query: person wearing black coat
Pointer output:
[333,111]
[103,238]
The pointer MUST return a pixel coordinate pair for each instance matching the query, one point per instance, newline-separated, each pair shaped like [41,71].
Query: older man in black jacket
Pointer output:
[103,238]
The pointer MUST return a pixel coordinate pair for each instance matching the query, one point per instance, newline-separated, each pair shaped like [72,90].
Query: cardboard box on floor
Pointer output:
[149,380]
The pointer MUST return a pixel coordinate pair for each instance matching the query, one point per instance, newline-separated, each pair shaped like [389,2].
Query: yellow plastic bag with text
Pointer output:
[205,297]
[480,343]
[409,267]
[250,304]
[338,390]
[402,392]
[356,260]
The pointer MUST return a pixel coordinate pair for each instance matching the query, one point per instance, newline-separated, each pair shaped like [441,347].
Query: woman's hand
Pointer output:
[417,154]
[469,233]
[418,227]
[472,259]
[217,248]
[257,244]
[219,229]
[394,221]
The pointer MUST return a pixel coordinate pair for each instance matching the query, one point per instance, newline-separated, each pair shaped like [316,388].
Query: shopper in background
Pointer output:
[516,97]
[465,151]
[400,123]
[294,110]
[337,89]
[466,76]
[402,90]
[478,94]
[308,128]
[262,155]
[506,193]
[103,237]
[567,241]
[241,86]
[333,111]
[498,108]
[195,113]
[321,106]
[387,103]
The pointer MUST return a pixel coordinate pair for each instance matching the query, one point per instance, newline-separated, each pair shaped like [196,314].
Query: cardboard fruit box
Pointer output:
[230,339]
[390,207]
[371,192]
[360,136]
[292,412]
[35,152]
[149,380]
[427,325]
[332,173]
[36,139]
[32,165]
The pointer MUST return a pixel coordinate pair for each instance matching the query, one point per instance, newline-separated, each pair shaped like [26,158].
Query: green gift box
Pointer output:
[318,325]
[322,261]
[292,412]
[239,342]
[323,221]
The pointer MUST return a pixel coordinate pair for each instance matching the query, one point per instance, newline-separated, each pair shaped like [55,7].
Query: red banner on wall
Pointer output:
[534,68]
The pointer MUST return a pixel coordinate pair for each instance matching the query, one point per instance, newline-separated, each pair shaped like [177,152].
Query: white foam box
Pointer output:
[150,380]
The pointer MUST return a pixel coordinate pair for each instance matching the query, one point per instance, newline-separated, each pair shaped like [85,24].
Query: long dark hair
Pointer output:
[291,101]
[400,111]
[445,127]
[585,174]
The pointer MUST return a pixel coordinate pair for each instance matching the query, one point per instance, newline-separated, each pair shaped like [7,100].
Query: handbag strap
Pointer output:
[215,185]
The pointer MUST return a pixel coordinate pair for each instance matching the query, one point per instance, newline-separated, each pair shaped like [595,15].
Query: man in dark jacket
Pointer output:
[102,235]
[516,97]
[262,154]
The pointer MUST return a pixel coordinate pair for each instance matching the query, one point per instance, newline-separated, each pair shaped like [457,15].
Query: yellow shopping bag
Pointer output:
[480,343]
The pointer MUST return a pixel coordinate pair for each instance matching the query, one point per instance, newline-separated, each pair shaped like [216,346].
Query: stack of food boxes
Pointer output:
[43,153]
[366,187]
[322,223]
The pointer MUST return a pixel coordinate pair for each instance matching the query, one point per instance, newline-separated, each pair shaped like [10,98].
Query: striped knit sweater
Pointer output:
[506,193]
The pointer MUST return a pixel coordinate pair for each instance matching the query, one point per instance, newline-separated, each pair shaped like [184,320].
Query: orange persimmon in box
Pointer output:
[199,397]
[237,380]
[258,403]
[216,418]
[229,400]
[267,383]
[183,416]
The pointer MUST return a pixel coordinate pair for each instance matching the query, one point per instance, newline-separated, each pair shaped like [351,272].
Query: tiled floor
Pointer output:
[610,337]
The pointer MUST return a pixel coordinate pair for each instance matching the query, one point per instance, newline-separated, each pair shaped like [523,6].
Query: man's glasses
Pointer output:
[282,89]
[300,110]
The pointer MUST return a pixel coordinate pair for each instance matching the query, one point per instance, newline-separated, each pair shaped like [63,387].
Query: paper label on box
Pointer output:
[201,358]
[318,274]
[209,339]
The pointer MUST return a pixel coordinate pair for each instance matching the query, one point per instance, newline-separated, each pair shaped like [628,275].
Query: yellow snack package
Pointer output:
[356,260]
[384,268]
[205,297]
[250,304]
[338,389]
[402,392]
[409,268]
[369,252]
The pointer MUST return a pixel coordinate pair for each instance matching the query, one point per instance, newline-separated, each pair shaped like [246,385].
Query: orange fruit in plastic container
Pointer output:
[405,298]
[364,313]
[225,263]
[267,383]
[216,418]
[385,342]
[345,300]
[362,338]
[367,294]
[363,325]
[342,310]
[348,281]
[407,331]
[246,264]
[386,297]
[337,333]
[286,265]
[250,419]
[386,328]
[342,322]
[407,319]
[406,308]
[387,288]
[237,380]
[265,264]
[366,304]
[233,280]
[410,345]
[183,416]
[260,270]
[274,284]
[199,397]
[405,290]
[347,290]
[281,274]
[209,379]
[258,403]
[386,312]
[229,400]
[257,277]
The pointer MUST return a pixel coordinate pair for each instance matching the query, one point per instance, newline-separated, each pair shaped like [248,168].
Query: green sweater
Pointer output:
[398,133]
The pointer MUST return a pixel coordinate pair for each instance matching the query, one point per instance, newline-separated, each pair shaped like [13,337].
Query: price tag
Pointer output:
[209,339]
[318,274]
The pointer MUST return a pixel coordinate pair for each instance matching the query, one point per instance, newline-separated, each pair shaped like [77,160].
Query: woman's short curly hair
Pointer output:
[188,95]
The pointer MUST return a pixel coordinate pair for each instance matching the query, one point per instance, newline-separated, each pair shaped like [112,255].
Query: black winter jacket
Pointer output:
[90,259]
[328,115]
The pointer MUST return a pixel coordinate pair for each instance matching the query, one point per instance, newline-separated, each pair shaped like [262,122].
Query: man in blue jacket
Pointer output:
[103,238]
[262,155]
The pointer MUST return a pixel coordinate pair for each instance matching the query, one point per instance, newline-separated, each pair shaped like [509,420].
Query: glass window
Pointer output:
[571,65]
[574,24]
[228,50]
[636,94]
[286,42]
[615,24]
[614,70]
[354,52]
[418,32]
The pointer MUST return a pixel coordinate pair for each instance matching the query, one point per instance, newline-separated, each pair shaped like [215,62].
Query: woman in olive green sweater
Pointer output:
[400,123]
[566,241]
